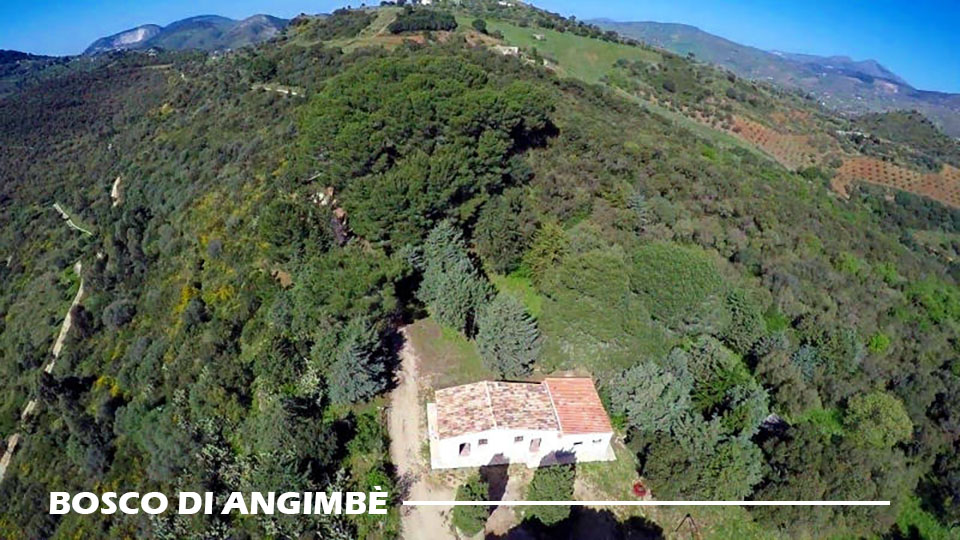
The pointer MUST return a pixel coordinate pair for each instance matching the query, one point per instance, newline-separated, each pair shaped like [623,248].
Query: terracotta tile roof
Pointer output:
[578,406]
[471,408]
[521,406]
[463,409]
[486,405]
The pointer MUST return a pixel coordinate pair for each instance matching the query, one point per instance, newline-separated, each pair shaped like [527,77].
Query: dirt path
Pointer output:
[407,436]
[14,439]
[66,217]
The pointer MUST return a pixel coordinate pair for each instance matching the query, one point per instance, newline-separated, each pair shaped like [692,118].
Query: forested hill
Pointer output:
[846,85]
[254,229]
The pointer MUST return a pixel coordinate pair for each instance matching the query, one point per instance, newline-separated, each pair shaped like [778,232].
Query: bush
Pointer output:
[679,284]
[554,483]
[480,25]
[508,337]
[119,313]
[470,520]
[879,343]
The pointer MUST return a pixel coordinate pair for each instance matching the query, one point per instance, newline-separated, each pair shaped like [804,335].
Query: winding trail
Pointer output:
[66,217]
[28,411]
[405,423]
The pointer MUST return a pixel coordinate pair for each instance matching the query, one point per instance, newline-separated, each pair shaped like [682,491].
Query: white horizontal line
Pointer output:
[646,503]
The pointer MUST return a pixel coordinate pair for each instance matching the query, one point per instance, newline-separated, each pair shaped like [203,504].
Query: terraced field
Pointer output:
[943,186]
[791,150]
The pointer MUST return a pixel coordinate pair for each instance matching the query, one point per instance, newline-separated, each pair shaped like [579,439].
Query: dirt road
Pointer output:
[407,436]
[14,438]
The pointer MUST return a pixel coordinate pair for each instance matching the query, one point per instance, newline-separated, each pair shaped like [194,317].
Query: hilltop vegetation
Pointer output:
[753,335]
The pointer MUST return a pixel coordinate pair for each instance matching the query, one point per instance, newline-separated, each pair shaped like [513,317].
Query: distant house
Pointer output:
[559,420]
[539,37]
[507,50]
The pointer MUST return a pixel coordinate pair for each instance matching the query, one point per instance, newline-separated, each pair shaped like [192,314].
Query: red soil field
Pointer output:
[792,151]
[943,186]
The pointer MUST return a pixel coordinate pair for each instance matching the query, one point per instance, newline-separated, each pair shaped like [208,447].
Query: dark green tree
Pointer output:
[504,231]
[359,371]
[508,337]
[552,483]
[652,397]
[452,288]
[470,520]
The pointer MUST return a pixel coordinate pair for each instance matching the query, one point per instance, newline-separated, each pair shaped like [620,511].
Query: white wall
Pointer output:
[502,447]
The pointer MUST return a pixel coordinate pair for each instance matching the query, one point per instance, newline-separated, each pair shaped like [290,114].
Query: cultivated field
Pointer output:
[791,150]
[943,186]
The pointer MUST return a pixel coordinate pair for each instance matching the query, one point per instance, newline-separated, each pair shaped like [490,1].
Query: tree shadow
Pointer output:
[496,475]
[912,533]
[585,523]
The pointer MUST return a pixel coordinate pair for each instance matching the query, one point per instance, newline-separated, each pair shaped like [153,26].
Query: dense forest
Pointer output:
[753,336]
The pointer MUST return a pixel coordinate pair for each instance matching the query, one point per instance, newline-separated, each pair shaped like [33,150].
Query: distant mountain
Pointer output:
[128,39]
[839,82]
[205,32]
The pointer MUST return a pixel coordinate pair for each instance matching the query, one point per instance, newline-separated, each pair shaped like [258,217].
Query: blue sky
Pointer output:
[919,40]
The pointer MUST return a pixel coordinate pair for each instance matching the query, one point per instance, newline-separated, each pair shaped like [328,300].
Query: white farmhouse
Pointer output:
[489,423]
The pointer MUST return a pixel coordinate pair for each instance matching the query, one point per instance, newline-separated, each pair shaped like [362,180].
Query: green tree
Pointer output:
[470,520]
[550,244]
[359,371]
[452,288]
[746,321]
[553,483]
[480,25]
[681,285]
[878,419]
[504,231]
[652,397]
[508,337]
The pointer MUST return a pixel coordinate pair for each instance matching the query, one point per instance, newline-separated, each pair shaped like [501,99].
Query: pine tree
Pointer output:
[508,337]
[358,373]
[452,288]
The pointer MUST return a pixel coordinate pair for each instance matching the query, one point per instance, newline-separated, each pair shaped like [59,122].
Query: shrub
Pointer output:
[119,313]
[470,520]
[879,343]
[678,283]
[553,483]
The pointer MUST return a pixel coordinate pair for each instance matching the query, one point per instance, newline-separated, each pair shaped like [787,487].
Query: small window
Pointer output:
[534,445]
[578,443]
[518,438]
[464,449]
[482,442]
[597,441]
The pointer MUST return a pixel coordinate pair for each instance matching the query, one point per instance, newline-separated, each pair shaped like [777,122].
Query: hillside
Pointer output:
[267,230]
[204,32]
[841,83]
